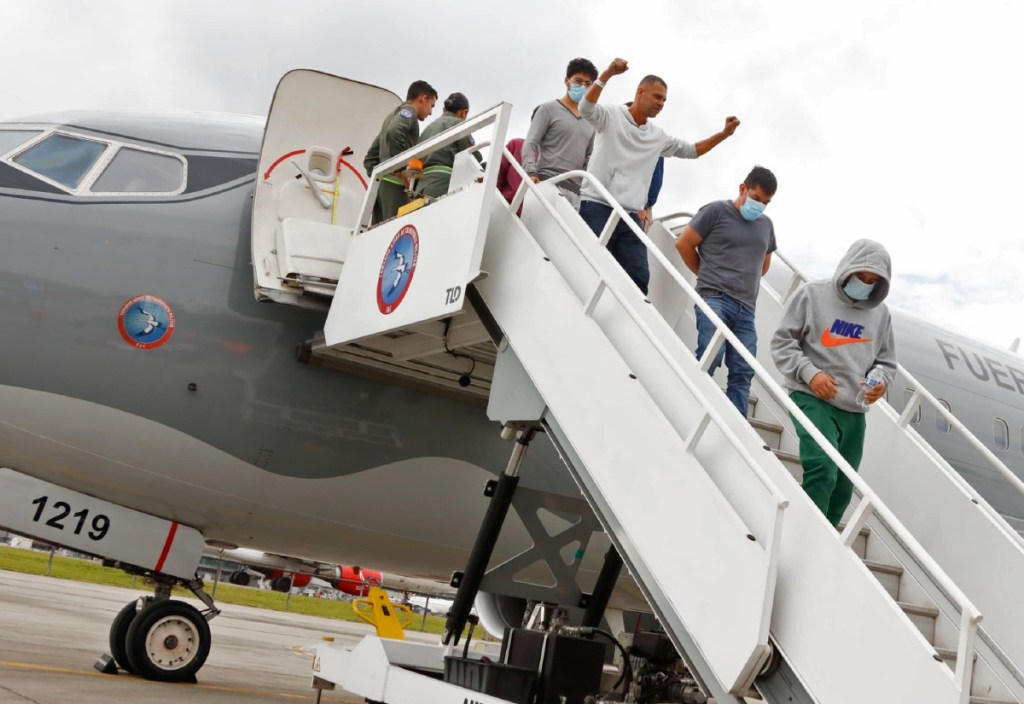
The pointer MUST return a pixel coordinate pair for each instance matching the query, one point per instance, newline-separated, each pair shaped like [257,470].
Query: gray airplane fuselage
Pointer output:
[220,428]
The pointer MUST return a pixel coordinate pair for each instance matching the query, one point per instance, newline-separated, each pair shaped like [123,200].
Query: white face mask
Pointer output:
[857,289]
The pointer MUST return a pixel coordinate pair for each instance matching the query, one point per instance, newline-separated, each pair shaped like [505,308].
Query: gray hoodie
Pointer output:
[824,330]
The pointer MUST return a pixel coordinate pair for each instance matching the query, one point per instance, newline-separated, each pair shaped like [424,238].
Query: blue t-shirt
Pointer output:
[732,251]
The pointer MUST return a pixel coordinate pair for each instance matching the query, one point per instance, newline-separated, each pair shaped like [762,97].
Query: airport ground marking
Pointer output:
[35,667]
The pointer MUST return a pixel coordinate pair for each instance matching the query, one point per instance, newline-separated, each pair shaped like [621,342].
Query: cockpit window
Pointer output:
[61,158]
[135,171]
[9,139]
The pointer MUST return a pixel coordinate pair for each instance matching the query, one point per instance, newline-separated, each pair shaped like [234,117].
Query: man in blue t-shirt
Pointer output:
[729,245]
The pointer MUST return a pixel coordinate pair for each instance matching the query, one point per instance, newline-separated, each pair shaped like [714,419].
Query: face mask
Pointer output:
[751,209]
[857,289]
[576,93]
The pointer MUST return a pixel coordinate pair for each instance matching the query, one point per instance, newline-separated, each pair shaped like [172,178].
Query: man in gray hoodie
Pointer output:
[836,350]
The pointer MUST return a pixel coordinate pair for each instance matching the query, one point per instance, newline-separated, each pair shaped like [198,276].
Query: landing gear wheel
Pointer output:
[168,641]
[281,584]
[119,635]
[240,578]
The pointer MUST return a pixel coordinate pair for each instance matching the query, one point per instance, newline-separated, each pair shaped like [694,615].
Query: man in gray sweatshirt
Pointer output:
[836,350]
[559,139]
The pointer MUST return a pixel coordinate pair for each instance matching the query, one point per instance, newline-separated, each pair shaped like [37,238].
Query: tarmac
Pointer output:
[53,630]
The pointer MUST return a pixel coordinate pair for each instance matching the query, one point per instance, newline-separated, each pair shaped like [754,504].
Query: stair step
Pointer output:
[770,433]
[792,463]
[949,655]
[918,610]
[765,425]
[865,531]
[787,456]
[860,543]
[887,575]
[882,568]
[923,618]
[986,700]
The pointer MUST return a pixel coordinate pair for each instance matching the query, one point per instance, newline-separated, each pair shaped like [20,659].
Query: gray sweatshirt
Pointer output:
[626,153]
[557,142]
[824,330]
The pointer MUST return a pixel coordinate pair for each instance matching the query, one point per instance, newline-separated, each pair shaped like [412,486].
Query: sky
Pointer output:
[893,121]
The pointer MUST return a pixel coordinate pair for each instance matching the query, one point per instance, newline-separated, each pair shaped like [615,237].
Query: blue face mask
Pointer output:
[576,93]
[751,209]
[857,289]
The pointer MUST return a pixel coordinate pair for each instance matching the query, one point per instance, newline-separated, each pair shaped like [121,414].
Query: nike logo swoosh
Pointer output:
[829,340]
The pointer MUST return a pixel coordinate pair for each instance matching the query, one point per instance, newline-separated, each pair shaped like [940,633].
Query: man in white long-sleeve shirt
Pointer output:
[626,150]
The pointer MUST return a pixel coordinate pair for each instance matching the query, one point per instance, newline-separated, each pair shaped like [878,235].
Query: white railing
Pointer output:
[496,116]
[870,503]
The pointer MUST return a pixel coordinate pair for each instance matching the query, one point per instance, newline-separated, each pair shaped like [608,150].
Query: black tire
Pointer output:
[281,584]
[119,635]
[168,641]
[240,578]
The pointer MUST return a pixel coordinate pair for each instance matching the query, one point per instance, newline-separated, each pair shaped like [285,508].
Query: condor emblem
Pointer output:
[397,269]
[145,322]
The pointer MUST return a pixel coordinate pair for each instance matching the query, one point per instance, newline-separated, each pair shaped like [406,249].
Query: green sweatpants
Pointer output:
[829,488]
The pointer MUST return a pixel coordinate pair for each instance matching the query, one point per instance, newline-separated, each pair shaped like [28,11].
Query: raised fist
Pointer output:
[731,123]
[618,66]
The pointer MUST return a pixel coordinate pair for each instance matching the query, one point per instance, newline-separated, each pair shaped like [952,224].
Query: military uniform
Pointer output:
[400,131]
[437,167]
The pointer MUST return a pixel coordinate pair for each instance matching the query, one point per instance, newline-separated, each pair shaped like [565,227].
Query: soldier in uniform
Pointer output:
[437,167]
[400,131]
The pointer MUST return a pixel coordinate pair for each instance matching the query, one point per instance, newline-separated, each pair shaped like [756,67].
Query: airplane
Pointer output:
[158,360]
[284,573]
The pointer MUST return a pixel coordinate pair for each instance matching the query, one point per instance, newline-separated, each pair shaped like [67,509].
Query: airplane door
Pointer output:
[311,183]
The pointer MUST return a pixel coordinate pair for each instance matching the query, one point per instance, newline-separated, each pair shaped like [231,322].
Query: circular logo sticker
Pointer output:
[397,269]
[145,322]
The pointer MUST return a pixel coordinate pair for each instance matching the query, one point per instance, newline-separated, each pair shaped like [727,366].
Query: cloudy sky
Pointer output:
[895,121]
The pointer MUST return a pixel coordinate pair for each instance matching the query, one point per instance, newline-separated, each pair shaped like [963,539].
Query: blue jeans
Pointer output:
[626,247]
[741,322]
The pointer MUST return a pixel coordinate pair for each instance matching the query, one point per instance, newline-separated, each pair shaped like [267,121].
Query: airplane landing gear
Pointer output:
[162,639]
[168,641]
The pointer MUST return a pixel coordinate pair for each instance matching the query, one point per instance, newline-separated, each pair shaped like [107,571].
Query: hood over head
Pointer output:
[864,255]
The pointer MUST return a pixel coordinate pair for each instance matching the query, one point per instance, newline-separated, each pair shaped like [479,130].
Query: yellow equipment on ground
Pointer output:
[378,611]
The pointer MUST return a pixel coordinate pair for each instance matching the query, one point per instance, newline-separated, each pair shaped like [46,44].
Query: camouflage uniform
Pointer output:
[400,131]
[437,167]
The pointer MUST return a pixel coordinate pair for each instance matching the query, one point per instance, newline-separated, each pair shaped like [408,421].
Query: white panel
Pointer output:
[42,510]
[306,248]
[381,291]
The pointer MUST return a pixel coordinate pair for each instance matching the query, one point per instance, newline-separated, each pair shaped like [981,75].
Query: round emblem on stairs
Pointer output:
[397,269]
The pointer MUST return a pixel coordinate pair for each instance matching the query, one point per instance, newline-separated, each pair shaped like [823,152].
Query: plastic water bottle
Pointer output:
[871,380]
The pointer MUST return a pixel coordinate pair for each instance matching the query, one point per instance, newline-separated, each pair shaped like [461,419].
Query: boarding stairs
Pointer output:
[738,565]
[961,531]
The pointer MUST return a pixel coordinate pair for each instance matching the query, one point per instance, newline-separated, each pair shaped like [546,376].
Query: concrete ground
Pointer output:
[52,630]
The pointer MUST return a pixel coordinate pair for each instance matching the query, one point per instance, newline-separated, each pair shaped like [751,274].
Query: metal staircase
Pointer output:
[736,562]
[954,524]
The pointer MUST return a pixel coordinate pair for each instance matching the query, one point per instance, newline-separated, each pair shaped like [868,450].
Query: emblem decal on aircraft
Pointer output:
[145,322]
[397,269]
